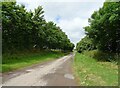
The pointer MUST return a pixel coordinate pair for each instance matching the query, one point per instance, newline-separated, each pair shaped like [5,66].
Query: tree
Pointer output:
[85,44]
[23,30]
[104,28]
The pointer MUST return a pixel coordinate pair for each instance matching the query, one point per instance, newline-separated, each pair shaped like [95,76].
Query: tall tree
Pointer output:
[104,27]
[23,30]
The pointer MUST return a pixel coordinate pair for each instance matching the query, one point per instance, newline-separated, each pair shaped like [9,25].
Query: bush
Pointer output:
[102,56]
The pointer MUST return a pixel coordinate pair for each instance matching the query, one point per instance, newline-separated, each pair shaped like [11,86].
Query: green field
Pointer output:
[91,72]
[17,61]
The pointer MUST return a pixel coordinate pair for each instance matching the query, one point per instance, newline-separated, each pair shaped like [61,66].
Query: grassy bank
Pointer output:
[91,72]
[102,56]
[20,60]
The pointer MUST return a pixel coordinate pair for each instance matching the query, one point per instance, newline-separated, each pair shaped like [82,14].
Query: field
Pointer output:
[91,72]
[20,60]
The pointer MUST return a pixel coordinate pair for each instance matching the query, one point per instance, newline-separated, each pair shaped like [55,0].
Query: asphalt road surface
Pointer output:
[53,73]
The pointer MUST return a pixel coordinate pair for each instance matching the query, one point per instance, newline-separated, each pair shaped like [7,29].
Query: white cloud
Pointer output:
[70,15]
[73,28]
[72,24]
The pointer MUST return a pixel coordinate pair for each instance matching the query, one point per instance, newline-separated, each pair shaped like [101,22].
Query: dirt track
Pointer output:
[55,73]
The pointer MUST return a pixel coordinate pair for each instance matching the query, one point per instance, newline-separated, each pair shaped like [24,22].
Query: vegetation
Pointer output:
[104,26]
[20,60]
[90,72]
[85,44]
[96,64]
[23,30]
[102,56]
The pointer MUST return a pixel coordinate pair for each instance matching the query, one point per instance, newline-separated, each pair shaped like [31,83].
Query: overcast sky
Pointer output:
[70,15]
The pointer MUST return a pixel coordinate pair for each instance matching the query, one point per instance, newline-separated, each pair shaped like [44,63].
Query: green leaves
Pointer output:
[104,24]
[104,29]
[23,30]
[85,44]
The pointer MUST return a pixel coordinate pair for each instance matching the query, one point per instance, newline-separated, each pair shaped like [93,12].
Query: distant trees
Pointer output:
[85,44]
[104,28]
[23,30]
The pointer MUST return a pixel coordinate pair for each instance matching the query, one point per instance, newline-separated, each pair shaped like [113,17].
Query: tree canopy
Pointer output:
[104,28]
[85,44]
[25,30]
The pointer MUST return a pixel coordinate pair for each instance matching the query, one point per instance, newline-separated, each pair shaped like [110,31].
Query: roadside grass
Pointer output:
[102,56]
[17,61]
[91,72]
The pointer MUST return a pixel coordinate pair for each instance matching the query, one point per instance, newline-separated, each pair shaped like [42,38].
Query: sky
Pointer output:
[70,15]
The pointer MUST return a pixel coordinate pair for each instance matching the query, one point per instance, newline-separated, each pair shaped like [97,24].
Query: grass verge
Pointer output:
[91,72]
[17,61]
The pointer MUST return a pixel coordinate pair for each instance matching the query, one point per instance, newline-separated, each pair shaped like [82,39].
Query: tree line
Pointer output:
[103,32]
[27,30]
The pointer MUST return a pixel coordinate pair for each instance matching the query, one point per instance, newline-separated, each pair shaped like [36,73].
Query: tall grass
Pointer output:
[19,60]
[102,56]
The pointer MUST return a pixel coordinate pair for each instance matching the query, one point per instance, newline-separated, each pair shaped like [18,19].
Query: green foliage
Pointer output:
[104,28]
[23,30]
[85,44]
[102,56]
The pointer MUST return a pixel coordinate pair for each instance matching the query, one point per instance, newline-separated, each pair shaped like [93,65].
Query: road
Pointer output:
[54,73]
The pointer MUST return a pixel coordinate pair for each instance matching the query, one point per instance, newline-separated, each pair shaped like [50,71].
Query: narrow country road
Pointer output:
[54,73]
